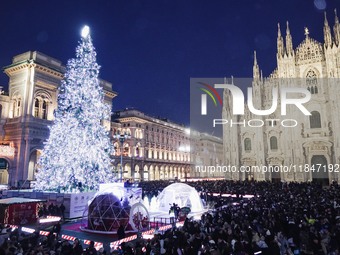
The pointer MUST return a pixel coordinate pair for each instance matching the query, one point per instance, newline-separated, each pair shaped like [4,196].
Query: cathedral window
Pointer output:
[311,78]
[311,82]
[273,143]
[315,120]
[247,144]
[313,89]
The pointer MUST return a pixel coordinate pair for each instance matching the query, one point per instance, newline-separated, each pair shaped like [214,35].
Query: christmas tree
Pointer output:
[76,157]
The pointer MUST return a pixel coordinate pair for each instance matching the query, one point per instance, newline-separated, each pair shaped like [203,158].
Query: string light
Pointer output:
[76,157]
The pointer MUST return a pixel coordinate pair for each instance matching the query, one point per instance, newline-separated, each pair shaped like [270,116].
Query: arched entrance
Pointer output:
[157,173]
[152,173]
[137,173]
[276,174]
[4,171]
[161,173]
[127,171]
[171,173]
[319,169]
[145,173]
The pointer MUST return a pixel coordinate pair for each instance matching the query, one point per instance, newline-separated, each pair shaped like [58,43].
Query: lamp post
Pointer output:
[185,149]
[121,137]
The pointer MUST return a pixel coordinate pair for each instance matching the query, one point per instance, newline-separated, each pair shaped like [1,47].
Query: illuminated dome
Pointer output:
[181,194]
[107,212]
[113,207]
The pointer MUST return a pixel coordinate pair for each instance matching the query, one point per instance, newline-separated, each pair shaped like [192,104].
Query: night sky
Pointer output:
[149,50]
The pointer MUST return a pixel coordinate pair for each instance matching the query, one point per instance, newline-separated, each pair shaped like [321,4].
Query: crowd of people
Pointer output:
[52,209]
[16,243]
[281,219]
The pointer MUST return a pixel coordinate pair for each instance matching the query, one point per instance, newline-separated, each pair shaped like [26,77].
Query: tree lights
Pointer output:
[76,157]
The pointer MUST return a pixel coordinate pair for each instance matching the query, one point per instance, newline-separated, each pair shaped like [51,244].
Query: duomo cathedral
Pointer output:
[309,151]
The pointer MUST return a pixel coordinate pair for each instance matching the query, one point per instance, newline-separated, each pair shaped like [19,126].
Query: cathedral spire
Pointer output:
[256,69]
[327,33]
[289,42]
[336,29]
[280,44]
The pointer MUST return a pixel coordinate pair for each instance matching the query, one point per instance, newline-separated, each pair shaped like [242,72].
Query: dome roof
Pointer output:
[106,212]
[181,194]
[179,187]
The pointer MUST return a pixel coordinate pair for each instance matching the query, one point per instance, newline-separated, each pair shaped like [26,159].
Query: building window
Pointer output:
[315,120]
[40,107]
[247,144]
[36,108]
[115,147]
[311,78]
[16,107]
[312,82]
[313,89]
[126,150]
[137,151]
[273,143]
[44,110]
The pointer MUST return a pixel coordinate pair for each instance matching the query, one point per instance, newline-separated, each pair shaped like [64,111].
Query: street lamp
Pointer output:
[121,137]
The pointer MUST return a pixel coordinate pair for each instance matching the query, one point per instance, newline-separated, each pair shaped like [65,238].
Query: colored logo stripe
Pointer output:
[213,91]
[209,93]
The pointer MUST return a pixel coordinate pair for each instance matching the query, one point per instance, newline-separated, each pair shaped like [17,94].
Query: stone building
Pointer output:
[315,141]
[26,111]
[207,154]
[156,149]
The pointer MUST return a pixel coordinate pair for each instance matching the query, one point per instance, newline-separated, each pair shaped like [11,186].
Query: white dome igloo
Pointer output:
[181,194]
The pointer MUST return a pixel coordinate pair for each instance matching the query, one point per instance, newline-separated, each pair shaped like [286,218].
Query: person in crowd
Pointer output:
[77,248]
[121,232]
[62,211]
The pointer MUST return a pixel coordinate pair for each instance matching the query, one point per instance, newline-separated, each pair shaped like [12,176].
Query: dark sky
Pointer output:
[149,50]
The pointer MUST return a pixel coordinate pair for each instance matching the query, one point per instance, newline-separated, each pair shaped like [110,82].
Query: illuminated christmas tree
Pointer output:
[76,157]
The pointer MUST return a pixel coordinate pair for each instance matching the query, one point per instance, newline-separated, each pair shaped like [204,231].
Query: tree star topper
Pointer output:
[85,31]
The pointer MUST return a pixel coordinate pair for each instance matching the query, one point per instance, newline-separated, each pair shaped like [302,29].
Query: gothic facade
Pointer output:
[311,149]
[26,112]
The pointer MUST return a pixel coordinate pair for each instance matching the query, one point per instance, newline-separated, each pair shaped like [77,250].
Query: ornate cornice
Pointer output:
[18,67]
